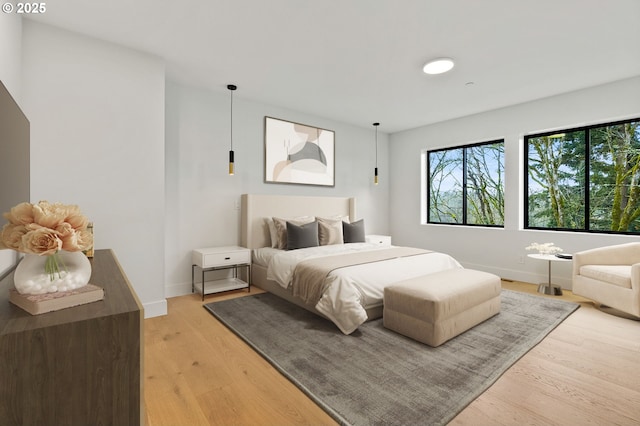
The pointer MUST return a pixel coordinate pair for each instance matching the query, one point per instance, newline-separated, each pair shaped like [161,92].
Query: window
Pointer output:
[585,179]
[465,185]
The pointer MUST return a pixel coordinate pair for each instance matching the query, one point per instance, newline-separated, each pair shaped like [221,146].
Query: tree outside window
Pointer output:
[585,179]
[465,185]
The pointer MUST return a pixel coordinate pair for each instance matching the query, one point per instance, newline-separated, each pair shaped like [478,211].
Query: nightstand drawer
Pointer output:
[222,259]
[214,257]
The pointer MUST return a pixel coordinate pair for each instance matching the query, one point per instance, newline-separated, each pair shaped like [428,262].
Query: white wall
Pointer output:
[10,69]
[202,197]
[97,140]
[499,250]
[97,113]
[10,53]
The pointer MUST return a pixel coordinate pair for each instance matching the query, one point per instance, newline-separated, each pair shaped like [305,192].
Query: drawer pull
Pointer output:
[227,258]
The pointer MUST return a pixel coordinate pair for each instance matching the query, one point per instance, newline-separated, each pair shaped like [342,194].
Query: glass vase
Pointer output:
[62,271]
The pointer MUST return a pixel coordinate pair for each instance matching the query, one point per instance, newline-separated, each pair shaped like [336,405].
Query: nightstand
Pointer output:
[382,240]
[219,258]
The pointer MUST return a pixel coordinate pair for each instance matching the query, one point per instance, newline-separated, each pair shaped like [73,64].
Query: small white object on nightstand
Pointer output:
[217,258]
[382,240]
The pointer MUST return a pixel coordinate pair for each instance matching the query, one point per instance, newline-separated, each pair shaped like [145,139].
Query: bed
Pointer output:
[354,275]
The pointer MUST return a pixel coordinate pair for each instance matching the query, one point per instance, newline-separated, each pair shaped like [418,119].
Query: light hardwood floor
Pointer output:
[587,371]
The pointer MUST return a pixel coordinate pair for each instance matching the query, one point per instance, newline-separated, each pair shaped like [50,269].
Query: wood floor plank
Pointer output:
[541,383]
[227,382]
[168,396]
[589,360]
[197,372]
[490,410]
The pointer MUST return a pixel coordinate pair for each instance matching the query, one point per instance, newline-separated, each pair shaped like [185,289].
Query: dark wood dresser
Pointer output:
[77,366]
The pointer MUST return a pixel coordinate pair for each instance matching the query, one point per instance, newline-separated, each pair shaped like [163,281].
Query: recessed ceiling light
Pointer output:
[438,66]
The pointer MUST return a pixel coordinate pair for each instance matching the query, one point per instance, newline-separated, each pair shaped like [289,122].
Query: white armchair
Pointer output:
[609,275]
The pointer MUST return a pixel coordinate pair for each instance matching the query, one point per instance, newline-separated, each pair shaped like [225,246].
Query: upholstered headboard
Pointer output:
[255,208]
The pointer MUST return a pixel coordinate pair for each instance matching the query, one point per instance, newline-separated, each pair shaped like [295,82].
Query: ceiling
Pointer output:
[360,61]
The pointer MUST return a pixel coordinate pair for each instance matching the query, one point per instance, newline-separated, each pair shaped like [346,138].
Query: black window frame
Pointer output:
[587,173]
[464,184]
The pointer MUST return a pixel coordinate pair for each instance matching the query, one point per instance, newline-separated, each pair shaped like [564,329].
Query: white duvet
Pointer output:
[353,289]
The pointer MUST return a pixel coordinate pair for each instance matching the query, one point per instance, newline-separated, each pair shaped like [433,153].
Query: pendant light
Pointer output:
[231,88]
[375,175]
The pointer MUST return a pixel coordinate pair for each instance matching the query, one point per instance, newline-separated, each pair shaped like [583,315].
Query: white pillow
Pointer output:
[273,233]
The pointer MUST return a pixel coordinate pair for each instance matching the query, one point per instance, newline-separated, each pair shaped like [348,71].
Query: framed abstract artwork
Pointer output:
[297,153]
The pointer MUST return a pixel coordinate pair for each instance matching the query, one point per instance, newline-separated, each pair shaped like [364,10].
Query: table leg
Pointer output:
[548,288]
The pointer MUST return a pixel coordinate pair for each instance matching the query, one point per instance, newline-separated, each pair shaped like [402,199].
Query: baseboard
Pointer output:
[155,309]
[176,290]
[518,275]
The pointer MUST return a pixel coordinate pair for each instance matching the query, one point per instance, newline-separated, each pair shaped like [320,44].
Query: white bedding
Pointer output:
[353,289]
[262,256]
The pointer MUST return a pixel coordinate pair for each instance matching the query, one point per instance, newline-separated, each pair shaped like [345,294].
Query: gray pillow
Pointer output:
[353,232]
[280,229]
[302,236]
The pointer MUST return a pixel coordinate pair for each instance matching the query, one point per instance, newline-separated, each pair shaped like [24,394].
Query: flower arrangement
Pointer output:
[544,248]
[44,229]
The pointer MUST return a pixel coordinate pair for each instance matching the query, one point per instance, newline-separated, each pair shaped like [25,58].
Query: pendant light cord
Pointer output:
[376,126]
[231,120]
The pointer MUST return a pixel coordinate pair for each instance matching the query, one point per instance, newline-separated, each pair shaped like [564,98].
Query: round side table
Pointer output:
[548,288]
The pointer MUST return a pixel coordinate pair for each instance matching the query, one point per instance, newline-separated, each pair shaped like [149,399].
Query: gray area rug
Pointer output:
[375,376]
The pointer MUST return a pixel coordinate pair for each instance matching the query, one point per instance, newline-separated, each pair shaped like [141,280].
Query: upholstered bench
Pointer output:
[437,307]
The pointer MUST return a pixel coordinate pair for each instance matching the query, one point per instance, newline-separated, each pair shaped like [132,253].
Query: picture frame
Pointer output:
[296,153]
